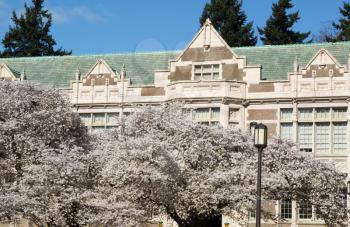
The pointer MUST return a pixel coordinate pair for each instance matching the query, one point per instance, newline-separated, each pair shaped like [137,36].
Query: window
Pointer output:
[305,210]
[85,118]
[322,113]
[339,136]
[98,119]
[305,114]
[305,137]
[322,137]
[207,116]
[322,130]
[112,118]
[286,131]
[339,113]
[207,72]
[286,209]
[286,114]
[252,214]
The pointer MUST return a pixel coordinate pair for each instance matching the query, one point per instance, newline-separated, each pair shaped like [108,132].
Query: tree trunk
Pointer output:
[212,221]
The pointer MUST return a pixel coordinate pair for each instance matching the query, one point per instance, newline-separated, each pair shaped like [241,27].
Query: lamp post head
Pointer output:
[260,135]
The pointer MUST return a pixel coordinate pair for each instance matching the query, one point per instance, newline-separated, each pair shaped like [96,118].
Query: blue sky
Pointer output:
[109,26]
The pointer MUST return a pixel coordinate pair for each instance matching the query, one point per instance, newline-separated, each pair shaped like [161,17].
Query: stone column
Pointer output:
[295,120]
[294,214]
[224,115]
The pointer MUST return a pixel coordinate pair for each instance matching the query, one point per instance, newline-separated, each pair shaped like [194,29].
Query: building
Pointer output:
[301,92]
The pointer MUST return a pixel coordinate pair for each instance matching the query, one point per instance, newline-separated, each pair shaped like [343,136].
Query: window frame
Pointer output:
[286,209]
[308,210]
[207,121]
[335,117]
[204,64]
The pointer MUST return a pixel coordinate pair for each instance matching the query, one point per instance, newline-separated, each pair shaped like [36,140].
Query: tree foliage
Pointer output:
[30,33]
[278,29]
[230,21]
[165,164]
[43,156]
[343,25]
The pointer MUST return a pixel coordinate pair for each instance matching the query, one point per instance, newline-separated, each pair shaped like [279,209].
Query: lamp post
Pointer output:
[260,142]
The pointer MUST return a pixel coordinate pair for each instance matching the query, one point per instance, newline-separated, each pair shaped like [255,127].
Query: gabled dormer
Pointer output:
[7,74]
[323,64]
[207,45]
[100,74]
[207,57]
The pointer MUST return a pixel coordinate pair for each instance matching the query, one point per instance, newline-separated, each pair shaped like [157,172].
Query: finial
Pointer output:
[77,74]
[296,65]
[208,21]
[23,75]
[123,72]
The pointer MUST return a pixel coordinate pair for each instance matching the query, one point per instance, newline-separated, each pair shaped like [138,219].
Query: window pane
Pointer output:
[322,137]
[85,118]
[305,210]
[215,76]
[287,130]
[206,76]
[305,114]
[112,118]
[207,69]
[305,136]
[201,114]
[339,113]
[322,113]
[286,209]
[215,113]
[198,69]
[340,136]
[216,68]
[197,76]
[99,119]
[286,114]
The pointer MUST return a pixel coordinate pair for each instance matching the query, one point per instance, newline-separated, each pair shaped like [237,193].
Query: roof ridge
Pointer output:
[292,45]
[96,55]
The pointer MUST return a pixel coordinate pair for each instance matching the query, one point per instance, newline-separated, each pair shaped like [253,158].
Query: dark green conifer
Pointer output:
[343,26]
[230,21]
[278,28]
[30,33]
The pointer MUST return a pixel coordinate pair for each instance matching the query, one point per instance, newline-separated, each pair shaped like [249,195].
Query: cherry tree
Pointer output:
[43,156]
[164,163]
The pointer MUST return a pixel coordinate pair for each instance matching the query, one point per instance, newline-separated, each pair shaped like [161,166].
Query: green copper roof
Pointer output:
[276,61]
[59,71]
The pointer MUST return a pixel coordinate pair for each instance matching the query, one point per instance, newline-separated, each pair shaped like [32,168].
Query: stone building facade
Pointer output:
[300,92]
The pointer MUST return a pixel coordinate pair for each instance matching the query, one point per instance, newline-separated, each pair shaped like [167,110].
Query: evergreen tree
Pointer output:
[343,26]
[30,34]
[278,29]
[230,21]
